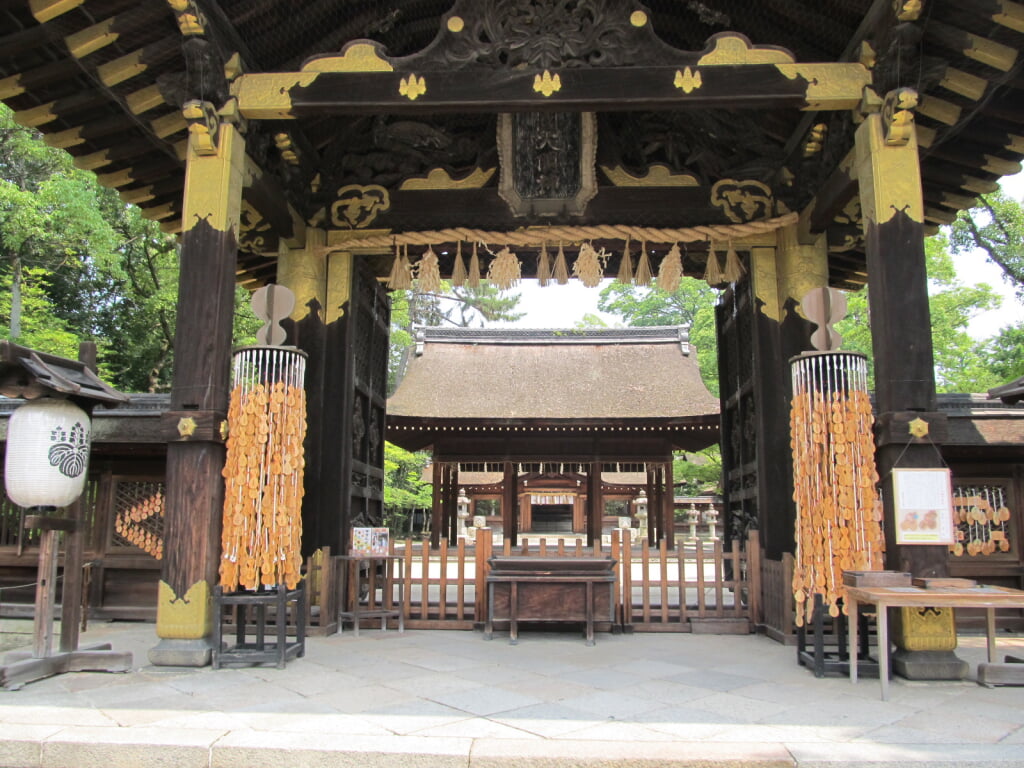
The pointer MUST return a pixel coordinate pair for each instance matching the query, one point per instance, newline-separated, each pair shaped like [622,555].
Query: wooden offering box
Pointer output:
[545,589]
[876,579]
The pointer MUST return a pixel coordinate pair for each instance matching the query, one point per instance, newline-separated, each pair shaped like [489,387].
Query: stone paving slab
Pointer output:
[448,698]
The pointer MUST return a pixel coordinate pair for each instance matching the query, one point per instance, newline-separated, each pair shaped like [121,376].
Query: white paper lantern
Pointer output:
[47,453]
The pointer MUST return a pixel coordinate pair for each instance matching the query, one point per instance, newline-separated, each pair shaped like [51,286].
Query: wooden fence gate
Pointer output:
[697,587]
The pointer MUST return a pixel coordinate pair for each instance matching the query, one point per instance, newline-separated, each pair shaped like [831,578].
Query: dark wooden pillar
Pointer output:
[888,174]
[451,496]
[652,501]
[595,503]
[199,399]
[669,507]
[437,497]
[509,504]
[891,202]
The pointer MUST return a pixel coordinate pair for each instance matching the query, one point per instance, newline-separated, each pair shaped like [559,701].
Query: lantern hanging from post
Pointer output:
[838,507]
[47,453]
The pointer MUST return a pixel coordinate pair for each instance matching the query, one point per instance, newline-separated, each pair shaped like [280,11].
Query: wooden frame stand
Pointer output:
[259,651]
[21,667]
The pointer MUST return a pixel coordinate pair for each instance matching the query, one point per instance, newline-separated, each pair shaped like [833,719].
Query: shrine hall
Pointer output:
[786,152]
[546,423]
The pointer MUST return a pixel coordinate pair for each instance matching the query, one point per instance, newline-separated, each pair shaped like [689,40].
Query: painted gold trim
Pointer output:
[961,82]
[1001,166]
[658,175]
[456,24]
[93,161]
[116,179]
[267,96]
[137,196]
[1011,16]
[830,86]
[638,18]
[45,10]
[91,39]
[213,182]
[168,125]
[36,116]
[144,100]
[888,175]
[439,178]
[159,212]
[356,57]
[939,110]
[730,49]
[184,618]
[11,87]
[996,55]
[121,69]
[72,137]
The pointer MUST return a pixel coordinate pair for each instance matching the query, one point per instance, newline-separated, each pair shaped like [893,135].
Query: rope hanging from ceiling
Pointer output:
[543,235]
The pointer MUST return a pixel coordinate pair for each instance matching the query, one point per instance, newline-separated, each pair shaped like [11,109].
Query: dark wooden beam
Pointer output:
[754,86]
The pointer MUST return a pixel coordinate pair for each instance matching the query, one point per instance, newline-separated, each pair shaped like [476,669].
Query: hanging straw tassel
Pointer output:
[543,266]
[589,265]
[428,274]
[671,270]
[625,266]
[473,280]
[400,278]
[459,268]
[713,272]
[506,269]
[643,267]
[561,271]
[734,270]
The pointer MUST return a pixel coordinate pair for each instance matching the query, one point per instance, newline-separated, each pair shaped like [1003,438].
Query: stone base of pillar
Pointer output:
[173,652]
[929,665]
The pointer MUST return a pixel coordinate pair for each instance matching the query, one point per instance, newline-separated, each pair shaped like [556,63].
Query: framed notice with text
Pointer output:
[369,541]
[923,502]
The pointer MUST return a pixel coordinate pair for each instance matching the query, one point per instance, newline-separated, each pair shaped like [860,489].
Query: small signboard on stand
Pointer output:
[369,541]
[923,501]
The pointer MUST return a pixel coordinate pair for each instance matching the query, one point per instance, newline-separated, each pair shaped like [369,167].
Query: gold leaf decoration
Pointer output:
[688,80]
[412,87]
[547,83]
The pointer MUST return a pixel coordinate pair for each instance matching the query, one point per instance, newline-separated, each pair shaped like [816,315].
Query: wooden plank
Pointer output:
[46,594]
[663,578]
[701,602]
[442,599]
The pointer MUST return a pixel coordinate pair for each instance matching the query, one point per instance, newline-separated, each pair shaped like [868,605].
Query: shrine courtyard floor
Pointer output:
[446,698]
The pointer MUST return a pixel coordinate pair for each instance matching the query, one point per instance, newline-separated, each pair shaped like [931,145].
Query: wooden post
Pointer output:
[46,593]
[888,173]
[595,504]
[670,507]
[509,512]
[202,346]
[891,202]
[437,499]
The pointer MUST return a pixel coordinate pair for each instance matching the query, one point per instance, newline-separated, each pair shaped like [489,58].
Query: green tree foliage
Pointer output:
[962,364]
[404,489]
[78,264]
[995,227]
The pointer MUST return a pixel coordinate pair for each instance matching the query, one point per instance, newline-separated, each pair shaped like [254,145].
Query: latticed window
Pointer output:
[982,515]
[139,516]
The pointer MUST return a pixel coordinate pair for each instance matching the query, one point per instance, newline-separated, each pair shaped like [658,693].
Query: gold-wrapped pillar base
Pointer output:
[925,639]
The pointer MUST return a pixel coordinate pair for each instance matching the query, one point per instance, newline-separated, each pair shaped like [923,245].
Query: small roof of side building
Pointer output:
[608,377]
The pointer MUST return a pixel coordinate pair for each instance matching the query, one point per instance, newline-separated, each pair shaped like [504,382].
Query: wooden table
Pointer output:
[350,587]
[988,598]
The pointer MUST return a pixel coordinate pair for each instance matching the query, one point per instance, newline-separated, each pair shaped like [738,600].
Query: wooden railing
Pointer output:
[696,587]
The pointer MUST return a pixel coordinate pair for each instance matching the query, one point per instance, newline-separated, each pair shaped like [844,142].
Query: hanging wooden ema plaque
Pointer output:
[263,471]
[923,500]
